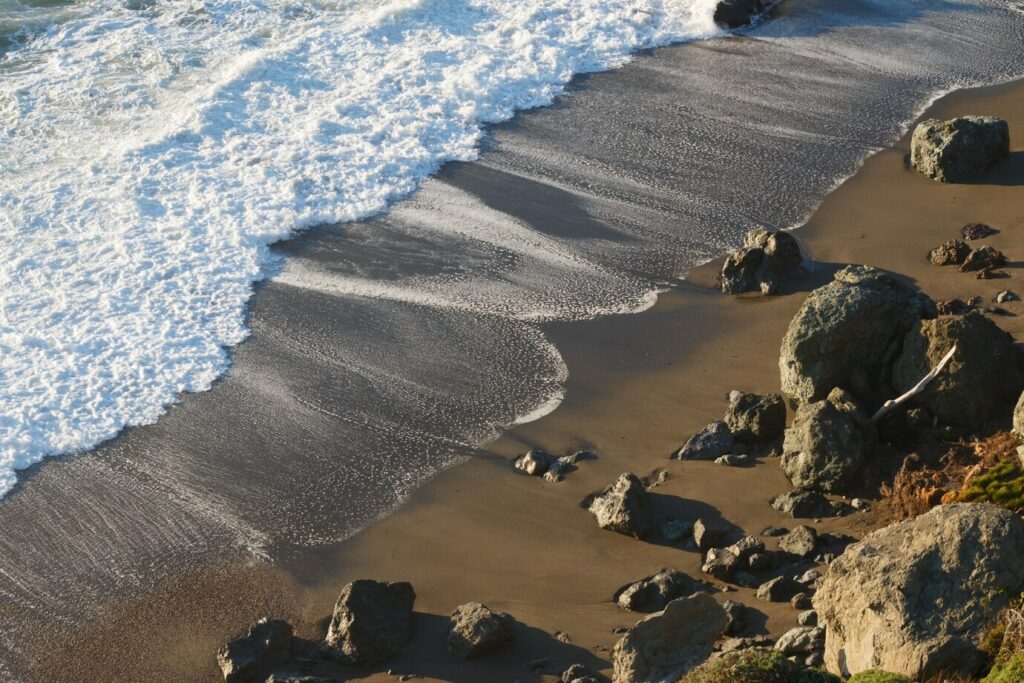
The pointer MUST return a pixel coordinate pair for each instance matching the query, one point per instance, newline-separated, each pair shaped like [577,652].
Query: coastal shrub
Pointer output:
[1009,671]
[756,665]
[1002,485]
[877,676]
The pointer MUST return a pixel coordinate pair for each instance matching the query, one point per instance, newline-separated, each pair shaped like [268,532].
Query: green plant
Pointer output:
[877,676]
[756,665]
[1009,671]
[1002,485]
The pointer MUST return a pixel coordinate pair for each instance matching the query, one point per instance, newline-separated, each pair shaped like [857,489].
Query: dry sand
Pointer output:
[639,386]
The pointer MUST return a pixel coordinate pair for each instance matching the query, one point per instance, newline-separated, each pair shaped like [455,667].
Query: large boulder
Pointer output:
[475,629]
[955,150]
[827,443]
[847,333]
[981,380]
[755,417]
[667,644]
[622,506]
[915,597]
[761,265]
[371,621]
[244,659]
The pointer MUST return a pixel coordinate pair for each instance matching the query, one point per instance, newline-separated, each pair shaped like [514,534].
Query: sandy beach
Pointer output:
[638,386]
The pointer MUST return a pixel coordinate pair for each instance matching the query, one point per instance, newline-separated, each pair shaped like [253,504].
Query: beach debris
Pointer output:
[371,621]
[976,383]
[622,507]
[676,529]
[534,462]
[956,150]
[708,534]
[653,593]
[735,617]
[577,673]
[803,503]
[1006,296]
[845,334]
[755,417]
[762,264]
[827,444]
[779,589]
[985,258]
[267,643]
[667,644]
[952,307]
[977,231]
[951,253]
[712,441]
[801,541]
[969,555]
[475,630]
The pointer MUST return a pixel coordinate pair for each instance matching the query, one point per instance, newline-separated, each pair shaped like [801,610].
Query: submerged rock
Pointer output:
[755,417]
[847,333]
[667,644]
[244,659]
[622,507]
[956,150]
[709,443]
[916,597]
[827,444]
[475,630]
[371,621]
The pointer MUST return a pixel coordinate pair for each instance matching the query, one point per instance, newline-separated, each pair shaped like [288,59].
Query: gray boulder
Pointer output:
[667,644]
[475,630]
[709,443]
[779,589]
[915,597]
[847,332]
[244,659]
[755,417]
[371,621]
[721,564]
[956,150]
[981,379]
[804,503]
[655,592]
[707,535]
[761,265]
[622,507]
[800,541]
[827,443]
[801,640]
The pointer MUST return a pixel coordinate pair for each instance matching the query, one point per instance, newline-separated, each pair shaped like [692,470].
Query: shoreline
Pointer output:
[638,386]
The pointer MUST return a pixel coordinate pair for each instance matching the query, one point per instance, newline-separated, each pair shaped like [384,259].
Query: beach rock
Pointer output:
[534,462]
[707,534]
[956,150]
[804,504]
[761,265]
[951,253]
[577,673]
[827,443]
[847,332]
[760,561]
[371,621]
[622,507]
[735,460]
[801,640]
[475,630]
[977,231]
[985,258]
[801,541]
[299,678]
[746,546]
[707,444]
[735,617]
[755,417]
[801,600]
[779,589]
[1006,296]
[676,529]
[773,531]
[915,597]
[720,563]
[1018,417]
[667,644]
[653,593]
[807,618]
[981,379]
[737,13]
[244,659]
[952,307]
[567,463]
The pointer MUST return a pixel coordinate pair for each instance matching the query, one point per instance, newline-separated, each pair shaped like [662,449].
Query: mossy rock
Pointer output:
[1009,671]
[877,676]
[756,665]
[1002,485]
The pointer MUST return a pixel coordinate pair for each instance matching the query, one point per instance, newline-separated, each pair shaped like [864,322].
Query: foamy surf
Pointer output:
[152,152]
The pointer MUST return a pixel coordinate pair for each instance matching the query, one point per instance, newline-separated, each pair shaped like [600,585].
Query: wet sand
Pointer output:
[638,386]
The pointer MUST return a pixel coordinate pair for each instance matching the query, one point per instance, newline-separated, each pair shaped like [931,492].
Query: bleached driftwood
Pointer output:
[914,390]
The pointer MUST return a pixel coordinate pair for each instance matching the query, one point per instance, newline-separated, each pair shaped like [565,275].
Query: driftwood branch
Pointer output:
[915,390]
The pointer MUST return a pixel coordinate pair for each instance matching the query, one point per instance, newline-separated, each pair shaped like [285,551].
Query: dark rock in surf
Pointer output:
[737,13]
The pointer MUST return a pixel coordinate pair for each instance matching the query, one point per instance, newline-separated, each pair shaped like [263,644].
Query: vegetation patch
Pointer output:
[1002,485]
[756,665]
[877,676]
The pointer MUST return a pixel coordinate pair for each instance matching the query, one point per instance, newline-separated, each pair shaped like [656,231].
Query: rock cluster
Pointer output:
[750,419]
[956,150]
[766,259]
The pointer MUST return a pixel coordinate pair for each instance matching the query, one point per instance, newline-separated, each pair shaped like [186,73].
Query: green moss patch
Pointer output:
[1002,485]
[756,665]
[1009,671]
[877,676]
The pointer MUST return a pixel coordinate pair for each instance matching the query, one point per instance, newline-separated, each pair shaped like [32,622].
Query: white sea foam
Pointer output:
[149,153]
